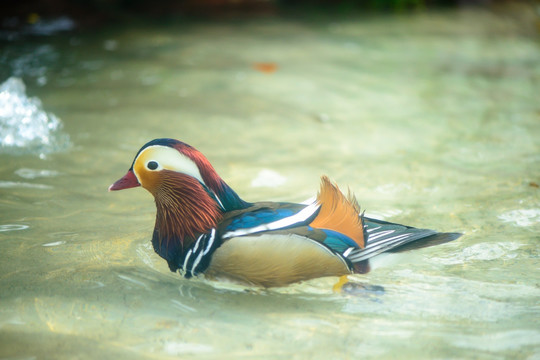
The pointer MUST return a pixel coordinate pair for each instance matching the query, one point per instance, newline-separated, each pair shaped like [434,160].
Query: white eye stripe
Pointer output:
[167,158]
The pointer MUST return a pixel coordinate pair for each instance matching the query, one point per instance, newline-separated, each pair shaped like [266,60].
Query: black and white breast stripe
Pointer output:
[198,256]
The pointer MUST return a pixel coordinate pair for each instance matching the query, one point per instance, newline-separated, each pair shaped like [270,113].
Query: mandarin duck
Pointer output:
[203,227]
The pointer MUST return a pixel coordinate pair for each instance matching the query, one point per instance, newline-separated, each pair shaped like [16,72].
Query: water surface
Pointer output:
[433,120]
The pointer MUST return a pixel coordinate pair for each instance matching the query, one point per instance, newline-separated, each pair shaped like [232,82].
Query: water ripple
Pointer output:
[499,341]
[56,243]
[13,227]
[179,348]
[18,184]
[35,173]
[134,281]
[480,252]
[182,307]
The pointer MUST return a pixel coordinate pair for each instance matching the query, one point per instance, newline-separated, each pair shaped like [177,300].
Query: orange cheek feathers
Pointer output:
[148,179]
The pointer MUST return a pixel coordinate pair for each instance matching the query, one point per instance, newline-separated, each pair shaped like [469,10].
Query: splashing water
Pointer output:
[24,126]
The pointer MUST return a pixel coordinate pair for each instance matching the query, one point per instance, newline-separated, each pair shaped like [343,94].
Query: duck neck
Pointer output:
[229,199]
[184,209]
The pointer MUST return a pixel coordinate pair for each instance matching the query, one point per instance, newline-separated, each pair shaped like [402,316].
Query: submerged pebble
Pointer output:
[521,217]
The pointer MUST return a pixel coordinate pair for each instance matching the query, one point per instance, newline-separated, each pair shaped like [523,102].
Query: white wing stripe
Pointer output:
[380,234]
[374,250]
[372,229]
[300,216]
[347,252]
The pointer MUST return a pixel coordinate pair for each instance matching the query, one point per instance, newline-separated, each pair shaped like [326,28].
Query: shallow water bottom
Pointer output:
[431,119]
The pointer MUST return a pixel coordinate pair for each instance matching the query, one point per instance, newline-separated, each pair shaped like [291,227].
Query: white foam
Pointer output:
[24,126]
[521,217]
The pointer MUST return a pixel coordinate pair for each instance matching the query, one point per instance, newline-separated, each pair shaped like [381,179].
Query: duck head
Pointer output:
[161,155]
[190,196]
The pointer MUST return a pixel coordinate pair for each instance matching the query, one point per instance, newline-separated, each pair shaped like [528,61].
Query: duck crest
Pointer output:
[339,213]
[184,209]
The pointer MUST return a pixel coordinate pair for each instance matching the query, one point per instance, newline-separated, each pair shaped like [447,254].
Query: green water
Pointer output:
[432,120]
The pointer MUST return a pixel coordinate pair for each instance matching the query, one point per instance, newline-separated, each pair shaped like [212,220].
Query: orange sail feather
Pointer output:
[339,213]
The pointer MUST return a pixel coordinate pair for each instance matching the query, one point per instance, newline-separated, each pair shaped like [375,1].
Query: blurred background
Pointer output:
[428,111]
[16,14]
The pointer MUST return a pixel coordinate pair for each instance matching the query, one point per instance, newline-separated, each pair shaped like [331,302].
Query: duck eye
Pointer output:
[152,165]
